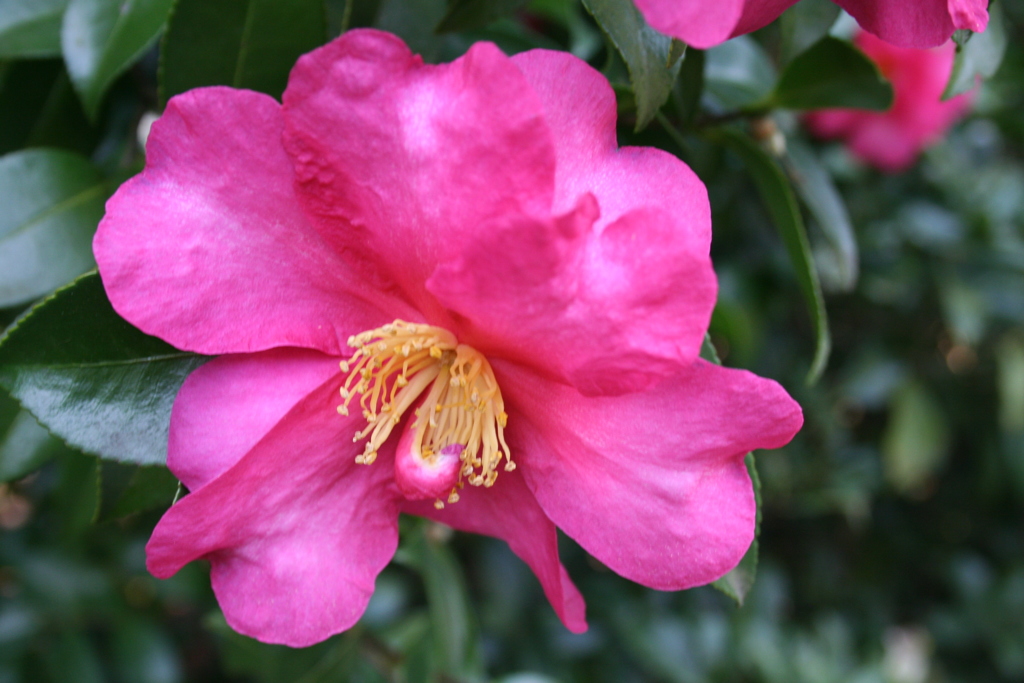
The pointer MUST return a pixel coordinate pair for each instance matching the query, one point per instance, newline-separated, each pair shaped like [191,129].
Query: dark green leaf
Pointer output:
[78,491]
[25,446]
[804,24]
[39,108]
[451,614]
[469,14]
[137,489]
[30,28]
[332,660]
[780,202]
[73,659]
[838,258]
[143,653]
[93,379]
[249,44]
[738,582]
[52,203]
[653,59]
[832,73]
[102,38]
[738,74]
[978,57]
[690,86]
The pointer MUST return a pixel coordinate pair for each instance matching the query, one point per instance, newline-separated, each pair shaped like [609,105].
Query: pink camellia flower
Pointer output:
[456,267]
[907,23]
[891,140]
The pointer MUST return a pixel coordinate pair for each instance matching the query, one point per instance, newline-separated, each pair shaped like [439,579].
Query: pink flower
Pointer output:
[555,290]
[891,140]
[907,23]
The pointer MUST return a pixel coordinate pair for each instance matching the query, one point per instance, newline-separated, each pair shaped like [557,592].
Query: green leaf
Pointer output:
[470,14]
[135,489]
[780,202]
[93,379]
[690,86]
[804,24]
[740,579]
[52,203]
[916,439]
[39,108]
[738,74]
[249,44]
[451,614]
[838,258]
[708,351]
[832,73]
[102,38]
[978,55]
[25,446]
[653,59]
[30,28]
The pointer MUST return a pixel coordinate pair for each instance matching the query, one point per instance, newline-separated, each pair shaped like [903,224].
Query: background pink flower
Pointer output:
[907,23]
[487,197]
[891,140]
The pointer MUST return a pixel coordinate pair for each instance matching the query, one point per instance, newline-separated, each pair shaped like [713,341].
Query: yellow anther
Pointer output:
[438,504]
[399,365]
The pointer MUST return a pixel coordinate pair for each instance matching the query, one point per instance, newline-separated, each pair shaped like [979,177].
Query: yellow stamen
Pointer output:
[394,365]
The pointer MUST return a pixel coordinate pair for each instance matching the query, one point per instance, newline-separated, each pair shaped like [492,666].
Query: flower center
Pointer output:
[462,410]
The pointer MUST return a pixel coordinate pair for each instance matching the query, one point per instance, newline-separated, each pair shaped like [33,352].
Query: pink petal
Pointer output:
[652,484]
[208,248]
[608,312]
[226,406]
[415,157]
[698,23]
[969,14]
[295,531]
[654,218]
[509,511]
[916,23]
[704,24]
[893,139]
[759,13]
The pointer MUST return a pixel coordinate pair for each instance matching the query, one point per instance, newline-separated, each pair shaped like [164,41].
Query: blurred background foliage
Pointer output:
[892,543]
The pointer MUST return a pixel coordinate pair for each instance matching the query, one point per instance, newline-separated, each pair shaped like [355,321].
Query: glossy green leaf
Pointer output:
[470,14]
[93,379]
[653,59]
[978,55]
[249,44]
[30,28]
[780,202]
[804,24]
[738,74]
[837,259]
[52,203]
[102,38]
[832,73]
